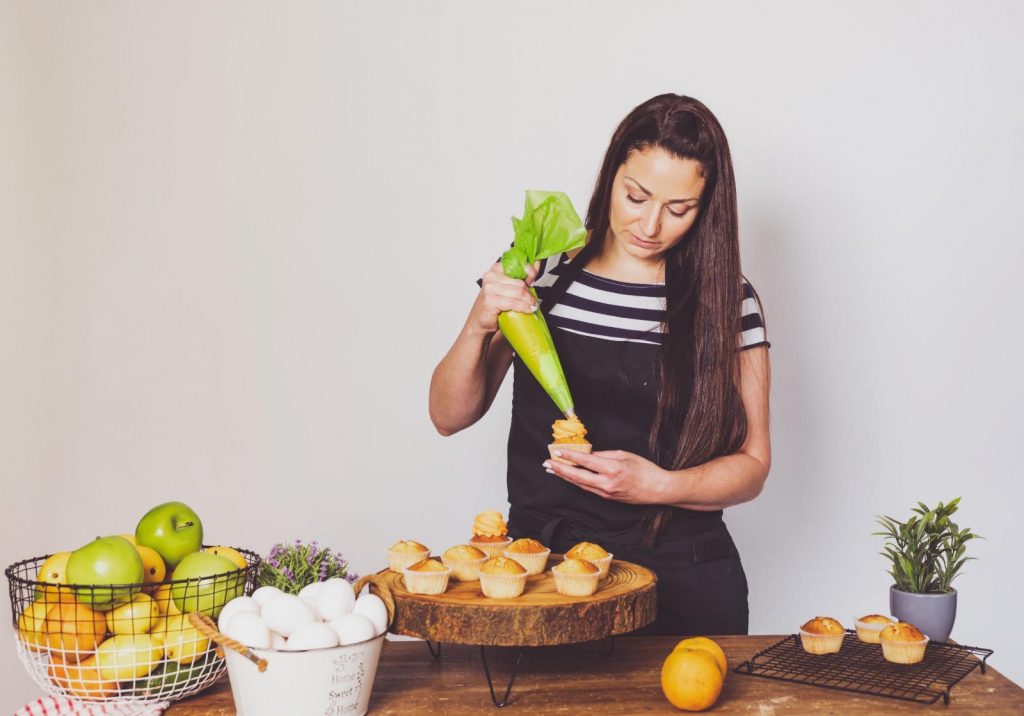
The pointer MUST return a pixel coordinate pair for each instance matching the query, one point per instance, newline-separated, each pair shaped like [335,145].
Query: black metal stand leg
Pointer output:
[434,653]
[490,684]
[608,645]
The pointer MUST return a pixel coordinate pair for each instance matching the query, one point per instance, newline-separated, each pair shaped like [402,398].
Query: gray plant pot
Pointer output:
[933,614]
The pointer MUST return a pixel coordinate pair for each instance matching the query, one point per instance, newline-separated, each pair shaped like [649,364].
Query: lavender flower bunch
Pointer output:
[290,567]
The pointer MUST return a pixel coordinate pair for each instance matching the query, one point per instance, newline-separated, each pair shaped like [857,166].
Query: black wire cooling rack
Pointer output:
[861,668]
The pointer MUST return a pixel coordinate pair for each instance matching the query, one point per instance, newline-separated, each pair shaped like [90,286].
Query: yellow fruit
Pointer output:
[130,536]
[182,642]
[710,646]
[53,571]
[74,630]
[32,626]
[164,600]
[138,616]
[124,657]
[236,557]
[82,680]
[153,567]
[691,679]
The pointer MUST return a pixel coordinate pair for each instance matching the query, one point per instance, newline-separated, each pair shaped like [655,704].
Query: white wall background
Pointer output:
[236,238]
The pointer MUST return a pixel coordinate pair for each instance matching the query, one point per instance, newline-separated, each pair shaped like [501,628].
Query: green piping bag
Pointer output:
[549,226]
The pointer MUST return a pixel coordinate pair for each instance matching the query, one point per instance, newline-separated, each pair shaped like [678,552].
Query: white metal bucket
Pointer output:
[321,682]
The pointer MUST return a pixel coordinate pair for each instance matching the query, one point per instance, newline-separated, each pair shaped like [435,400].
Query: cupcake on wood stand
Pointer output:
[427,576]
[502,578]
[594,553]
[490,533]
[530,553]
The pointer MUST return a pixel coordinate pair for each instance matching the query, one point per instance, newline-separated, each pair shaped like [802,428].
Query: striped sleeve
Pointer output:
[752,330]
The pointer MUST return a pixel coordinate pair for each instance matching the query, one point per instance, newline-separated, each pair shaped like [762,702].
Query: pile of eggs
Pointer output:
[323,615]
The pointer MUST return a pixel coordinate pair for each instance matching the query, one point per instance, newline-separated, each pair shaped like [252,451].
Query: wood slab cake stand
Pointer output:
[624,602]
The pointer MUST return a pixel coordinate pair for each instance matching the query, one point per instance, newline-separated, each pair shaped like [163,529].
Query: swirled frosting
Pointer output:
[570,431]
[490,523]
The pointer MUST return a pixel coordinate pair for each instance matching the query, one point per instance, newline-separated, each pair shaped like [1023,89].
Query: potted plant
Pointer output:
[926,553]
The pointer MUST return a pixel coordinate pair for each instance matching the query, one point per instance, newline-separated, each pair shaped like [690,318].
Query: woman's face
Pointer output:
[655,200]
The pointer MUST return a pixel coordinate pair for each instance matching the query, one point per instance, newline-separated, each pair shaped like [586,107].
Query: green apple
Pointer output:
[213,581]
[94,570]
[173,529]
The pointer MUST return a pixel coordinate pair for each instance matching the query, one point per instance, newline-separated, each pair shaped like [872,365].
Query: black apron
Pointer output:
[701,585]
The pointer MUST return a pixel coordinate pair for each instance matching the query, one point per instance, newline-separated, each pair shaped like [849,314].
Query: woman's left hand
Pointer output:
[613,474]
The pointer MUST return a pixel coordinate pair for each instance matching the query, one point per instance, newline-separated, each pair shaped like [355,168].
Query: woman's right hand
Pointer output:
[499,293]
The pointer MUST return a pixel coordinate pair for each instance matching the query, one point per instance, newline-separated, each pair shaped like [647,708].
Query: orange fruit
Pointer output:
[81,680]
[691,679]
[74,630]
[708,645]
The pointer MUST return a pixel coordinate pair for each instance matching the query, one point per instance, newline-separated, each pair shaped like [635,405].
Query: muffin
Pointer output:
[502,578]
[576,577]
[902,643]
[464,560]
[822,635]
[490,533]
[427,576]
[592,553]
[530,553]
[869,626]
[405,552]
[568,434]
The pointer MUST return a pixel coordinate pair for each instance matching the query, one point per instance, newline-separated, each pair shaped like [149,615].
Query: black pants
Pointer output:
[702,589]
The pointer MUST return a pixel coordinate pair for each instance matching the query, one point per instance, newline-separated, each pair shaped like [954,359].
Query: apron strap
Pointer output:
[555,292]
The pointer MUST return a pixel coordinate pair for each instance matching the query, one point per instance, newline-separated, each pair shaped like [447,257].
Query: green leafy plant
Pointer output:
[927,551]
[291,566]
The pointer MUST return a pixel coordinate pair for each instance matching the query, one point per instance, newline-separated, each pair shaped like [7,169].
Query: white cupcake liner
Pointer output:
[821,643]
[578,447]
[464,570]
[425,582]
[575,585]
[398,561]
[502,586]
[868,631]
[904,652]
[492,549]
[532,562]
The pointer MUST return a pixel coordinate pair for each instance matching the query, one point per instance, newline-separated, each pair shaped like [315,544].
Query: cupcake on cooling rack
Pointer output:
[530,553]
[464,560]
[490,533]
[502,578]
[870,625]
[576,577]
[902,643]
[427,576]
[568,434]
[591,552]
[405,552]
[822,635]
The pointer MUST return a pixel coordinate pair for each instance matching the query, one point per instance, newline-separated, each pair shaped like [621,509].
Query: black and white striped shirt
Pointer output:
[602,308]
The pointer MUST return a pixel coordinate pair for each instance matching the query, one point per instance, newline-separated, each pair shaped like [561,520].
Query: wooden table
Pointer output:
[582,679]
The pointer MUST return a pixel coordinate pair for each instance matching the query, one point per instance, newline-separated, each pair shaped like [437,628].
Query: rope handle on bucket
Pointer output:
[378,585]
[205,625]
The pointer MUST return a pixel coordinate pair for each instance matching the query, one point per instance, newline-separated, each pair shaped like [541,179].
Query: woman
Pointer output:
[663,346]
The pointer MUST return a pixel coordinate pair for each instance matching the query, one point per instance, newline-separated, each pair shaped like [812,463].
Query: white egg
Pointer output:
[265,594]
[248,628]
[236,606]
[372,607]
[334,599]
[278,642]
[310,590]
[352,629]
[312,636]
[285,613]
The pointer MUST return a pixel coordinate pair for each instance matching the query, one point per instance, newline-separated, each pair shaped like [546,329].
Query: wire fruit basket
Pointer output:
[121,642]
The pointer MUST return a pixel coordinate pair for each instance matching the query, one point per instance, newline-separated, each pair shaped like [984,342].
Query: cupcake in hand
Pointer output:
[568,434]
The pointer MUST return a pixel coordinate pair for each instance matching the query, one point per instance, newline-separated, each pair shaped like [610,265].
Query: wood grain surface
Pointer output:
[580,679]
[625,601]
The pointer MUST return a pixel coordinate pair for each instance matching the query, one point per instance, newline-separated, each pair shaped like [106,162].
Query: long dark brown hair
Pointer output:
[704,288]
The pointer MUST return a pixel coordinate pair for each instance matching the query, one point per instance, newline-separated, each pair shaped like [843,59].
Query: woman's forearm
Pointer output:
[458,388]
[717,484]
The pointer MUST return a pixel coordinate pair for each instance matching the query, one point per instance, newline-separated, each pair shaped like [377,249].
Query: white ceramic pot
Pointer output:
[321,681]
